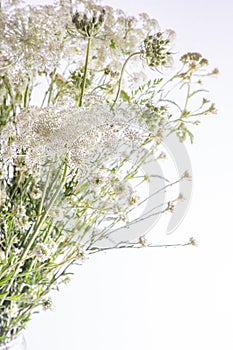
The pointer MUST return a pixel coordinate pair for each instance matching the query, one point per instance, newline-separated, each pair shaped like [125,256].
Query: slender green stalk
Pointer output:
[134,246]
[44,216]
[10,92]
[50,89]
[33,262]
[37,230]
[43,199]
[121,76]
[16,186]
[187,97]
[44,192]
[26,95]
[85,72]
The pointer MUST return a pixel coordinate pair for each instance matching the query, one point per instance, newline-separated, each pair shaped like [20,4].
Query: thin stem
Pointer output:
[85,72]
[187,97]
[26,95]
[10,92]
[17,185]
[44,216]
[121,76]
[135,246]
[50,90]
[33,262]
[44,193]
[37,230]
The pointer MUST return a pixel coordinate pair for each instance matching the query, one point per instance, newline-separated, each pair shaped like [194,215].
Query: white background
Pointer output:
[175,298]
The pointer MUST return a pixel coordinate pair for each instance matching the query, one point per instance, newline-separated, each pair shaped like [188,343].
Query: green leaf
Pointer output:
[5,279]
[190,136]
[3,295]
[125,97]
[112,44]
[15,297]
[82,187]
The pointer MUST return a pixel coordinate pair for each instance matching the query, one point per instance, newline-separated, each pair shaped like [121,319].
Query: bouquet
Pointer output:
[87,95]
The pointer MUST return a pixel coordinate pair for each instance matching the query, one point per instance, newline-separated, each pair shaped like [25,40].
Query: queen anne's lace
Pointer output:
[35,40]
[85,133]
[78,121]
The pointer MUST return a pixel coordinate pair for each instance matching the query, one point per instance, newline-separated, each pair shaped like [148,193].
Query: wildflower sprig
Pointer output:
[80,114]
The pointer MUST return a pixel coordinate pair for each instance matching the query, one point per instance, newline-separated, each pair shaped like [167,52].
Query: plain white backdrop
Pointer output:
[174,298]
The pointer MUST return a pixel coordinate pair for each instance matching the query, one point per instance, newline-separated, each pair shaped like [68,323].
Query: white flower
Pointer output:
[20,211]
[36,193]
[2,255]
[3,171]
[22,222]
[81,253]
[3,196]
[87,133]
[31,37]
[43,251]
[57,214]
[13,310]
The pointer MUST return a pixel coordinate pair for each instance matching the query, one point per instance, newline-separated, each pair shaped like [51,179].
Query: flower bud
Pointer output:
[89,26]
[155,50]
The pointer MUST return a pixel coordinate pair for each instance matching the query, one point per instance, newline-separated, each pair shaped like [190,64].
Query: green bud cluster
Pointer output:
[89,27]
[155,50]
[194,58]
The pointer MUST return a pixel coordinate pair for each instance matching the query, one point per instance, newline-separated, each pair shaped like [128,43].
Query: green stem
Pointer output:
[10,92]
[40,209]
[187,97]
[26,95]
[37,230]
[50,89]
[44,193]
[44,216]
[135,246]
[17,185]
[85,72]
[121,76]
[33,262]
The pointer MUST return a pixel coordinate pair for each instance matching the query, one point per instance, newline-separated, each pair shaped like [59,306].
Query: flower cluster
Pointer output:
[85,133]
[88,27]
[31,40]
[194,58]
[155,49]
